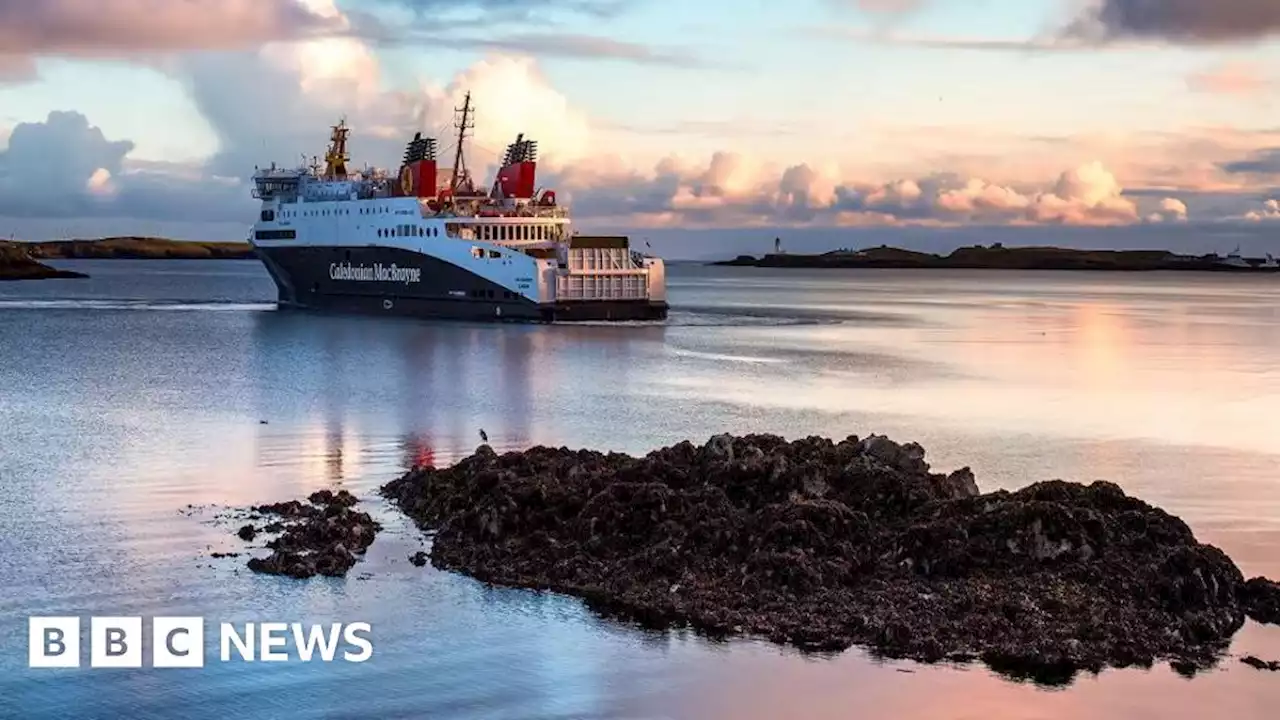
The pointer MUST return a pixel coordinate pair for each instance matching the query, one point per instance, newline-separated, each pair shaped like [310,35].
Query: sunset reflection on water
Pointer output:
[1166,386]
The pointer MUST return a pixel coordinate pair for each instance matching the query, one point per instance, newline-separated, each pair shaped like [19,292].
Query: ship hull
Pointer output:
[401,282]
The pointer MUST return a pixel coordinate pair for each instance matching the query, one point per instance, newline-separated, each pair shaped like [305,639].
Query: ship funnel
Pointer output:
[418,169]
[518,174]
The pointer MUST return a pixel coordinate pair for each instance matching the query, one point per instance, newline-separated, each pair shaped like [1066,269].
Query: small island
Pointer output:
[824,545]
[998,257]
[17,264]
[139,248]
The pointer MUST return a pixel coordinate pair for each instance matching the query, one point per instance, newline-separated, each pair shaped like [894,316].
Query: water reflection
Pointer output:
[417,452]
[1166,387]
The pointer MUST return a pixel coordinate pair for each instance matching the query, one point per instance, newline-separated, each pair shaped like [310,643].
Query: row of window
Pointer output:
[409,231]
[513,232]
[483,232]
[323,213]
[275,235]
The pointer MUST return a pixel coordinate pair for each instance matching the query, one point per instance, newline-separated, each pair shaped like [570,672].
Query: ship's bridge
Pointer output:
[276,185]
[328,190]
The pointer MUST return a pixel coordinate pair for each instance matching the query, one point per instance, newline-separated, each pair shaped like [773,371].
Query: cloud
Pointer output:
[119,28]
[1230,79]
[1170,210]
[64,167]
[567,45]
[1065,43]
[521,9]
[729,191]
[1180,21]
[1103,25]
[312,83]
[16,69]
[48,167]
[510,94]
[110,27]
[1270,212]
[309,84]
[1261,162]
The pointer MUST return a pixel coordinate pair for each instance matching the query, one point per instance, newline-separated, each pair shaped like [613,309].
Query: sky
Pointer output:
[1105,123]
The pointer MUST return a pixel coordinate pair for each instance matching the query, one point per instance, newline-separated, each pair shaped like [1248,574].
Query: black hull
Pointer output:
[442,291]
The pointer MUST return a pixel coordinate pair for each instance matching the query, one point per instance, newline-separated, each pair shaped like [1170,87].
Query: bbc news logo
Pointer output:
[179,642]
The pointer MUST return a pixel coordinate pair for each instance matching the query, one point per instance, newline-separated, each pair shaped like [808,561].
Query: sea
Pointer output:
[139,406]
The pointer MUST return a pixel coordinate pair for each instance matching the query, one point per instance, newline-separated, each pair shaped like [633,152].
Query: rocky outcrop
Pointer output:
[322,537]
[16,263]
[825,545]
[1262,598]
[1259,664]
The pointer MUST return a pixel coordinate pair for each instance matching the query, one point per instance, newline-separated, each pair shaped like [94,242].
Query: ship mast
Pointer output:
[463,124]
[336,158]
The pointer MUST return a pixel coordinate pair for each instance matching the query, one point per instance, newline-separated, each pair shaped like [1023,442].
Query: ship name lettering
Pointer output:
[374,273]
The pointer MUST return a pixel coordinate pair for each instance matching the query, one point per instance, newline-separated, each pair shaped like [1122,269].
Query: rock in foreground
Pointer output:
[825,545]
[323,537]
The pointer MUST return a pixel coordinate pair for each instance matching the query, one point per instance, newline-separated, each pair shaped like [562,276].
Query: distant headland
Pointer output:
[138,248]
[21,260]
[998,257]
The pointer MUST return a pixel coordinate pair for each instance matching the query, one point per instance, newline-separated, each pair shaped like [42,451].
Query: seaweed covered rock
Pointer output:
[1262,598]
[824,545]
[321,537]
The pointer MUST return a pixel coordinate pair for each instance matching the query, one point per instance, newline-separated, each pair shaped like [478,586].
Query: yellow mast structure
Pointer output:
[336,157]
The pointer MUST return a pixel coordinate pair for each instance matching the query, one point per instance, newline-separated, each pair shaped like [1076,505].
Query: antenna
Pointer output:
[463,124]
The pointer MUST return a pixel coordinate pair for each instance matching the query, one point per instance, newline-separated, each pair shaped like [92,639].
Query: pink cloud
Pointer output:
[16,68]
[679,194]
[1230,79]
[96,27]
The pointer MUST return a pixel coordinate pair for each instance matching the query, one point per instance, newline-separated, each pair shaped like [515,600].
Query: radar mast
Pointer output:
[463,124]
[336,157]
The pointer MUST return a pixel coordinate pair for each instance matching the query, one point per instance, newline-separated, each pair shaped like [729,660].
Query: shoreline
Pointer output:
[998,257]
[138,248]
[16,264]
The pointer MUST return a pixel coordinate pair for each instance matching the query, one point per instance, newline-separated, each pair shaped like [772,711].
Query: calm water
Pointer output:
[127,397]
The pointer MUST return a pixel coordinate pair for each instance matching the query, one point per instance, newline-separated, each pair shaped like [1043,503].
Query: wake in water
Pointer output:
[780,315]
[686,316]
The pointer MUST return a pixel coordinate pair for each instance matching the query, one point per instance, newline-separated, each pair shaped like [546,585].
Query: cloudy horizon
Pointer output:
[925,123]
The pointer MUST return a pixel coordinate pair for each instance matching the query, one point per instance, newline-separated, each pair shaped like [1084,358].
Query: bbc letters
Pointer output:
[179,642]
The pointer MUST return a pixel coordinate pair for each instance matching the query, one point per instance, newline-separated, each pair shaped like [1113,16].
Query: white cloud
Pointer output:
[100,182]
[1270,211]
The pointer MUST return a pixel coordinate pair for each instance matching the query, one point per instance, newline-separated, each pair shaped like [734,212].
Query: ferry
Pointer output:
[427,242]
[1236,260]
